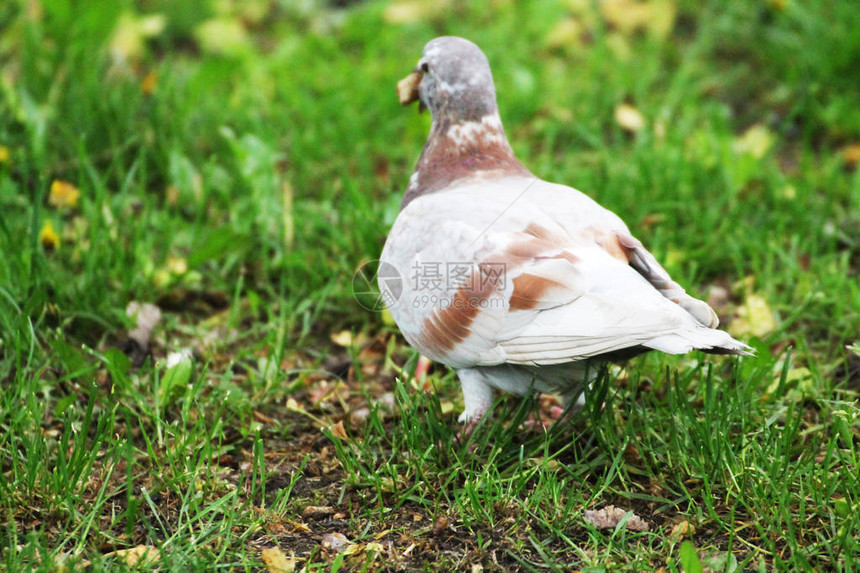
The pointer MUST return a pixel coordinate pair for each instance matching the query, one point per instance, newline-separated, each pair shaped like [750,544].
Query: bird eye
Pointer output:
[425,67]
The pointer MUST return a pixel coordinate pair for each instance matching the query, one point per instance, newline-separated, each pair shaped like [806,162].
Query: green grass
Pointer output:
[238,178]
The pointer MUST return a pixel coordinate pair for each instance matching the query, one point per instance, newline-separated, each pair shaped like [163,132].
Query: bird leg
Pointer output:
[477,399]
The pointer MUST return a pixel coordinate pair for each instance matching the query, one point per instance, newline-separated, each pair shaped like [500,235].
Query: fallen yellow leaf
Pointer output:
[565,34]
[48,237]
[277,561]
[139,555]
[850,155]
[375,547]
[149,82]
[342,338]
[629,118]
[619,46]
[755,141]
[656,17]
[754,318]
[223,36]
[406,11]
[339,431]
[127,43]
[662,18]
[4,154]
[177,265]
[63,195]
[682,530]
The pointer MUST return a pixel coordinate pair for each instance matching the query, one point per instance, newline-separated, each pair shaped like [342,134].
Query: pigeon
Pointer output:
[517,283]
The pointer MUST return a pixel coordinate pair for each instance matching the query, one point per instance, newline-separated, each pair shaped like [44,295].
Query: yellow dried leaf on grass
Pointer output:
[850,155]
[407,11]
[619,46]
[48,237]
[662,18]
[342,338]
[682,530]
[223,36]
[277,561]
[656,17]
[566,33]
[63,195]
[629,118]
[177,265]
[799,379]
[127,43]
[4,154]
[755,141]
[149,82]
[139,555]
[754,318]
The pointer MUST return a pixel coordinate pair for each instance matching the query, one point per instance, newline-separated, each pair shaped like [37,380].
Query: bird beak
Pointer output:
[407,89]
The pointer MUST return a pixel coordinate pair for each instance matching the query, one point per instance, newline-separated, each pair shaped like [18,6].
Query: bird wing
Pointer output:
[552,277]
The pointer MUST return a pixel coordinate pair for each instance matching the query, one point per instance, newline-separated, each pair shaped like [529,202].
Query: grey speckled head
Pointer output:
[457,84]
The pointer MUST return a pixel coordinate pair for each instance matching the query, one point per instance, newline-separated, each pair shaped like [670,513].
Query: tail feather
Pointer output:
[704,339]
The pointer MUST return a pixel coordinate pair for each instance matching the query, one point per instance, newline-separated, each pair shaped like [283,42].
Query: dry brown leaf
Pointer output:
[317,511]
[277,561]
[440,525]
[682,530]
[149,82]
[407,88]
[610,516]
[264,419]
[851,155]
[339,431]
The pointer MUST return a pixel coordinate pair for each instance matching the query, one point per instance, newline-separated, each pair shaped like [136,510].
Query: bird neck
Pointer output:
[462,150]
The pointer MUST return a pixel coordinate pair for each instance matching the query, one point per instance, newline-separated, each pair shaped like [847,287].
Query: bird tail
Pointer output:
[701,338]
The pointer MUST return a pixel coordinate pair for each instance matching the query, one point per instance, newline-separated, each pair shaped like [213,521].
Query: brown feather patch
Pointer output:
[442,163]
[530,290]
[451,323]
[613,245]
